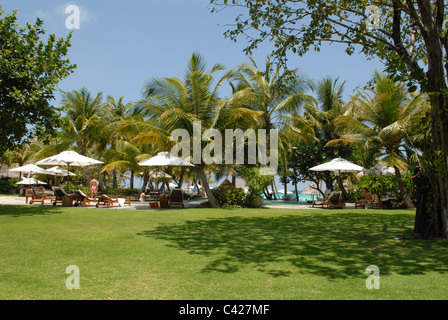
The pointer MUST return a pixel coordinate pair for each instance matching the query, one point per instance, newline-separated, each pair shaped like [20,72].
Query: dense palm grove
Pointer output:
[384,123]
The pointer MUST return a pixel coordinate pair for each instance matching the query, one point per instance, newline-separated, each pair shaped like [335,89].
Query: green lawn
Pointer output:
[216,254]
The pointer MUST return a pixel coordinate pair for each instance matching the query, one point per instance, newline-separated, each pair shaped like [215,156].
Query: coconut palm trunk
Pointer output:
[206,186]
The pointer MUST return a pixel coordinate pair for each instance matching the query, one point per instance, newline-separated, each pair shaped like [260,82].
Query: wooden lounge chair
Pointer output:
[319,201]
[82,198]
[176,198]
[106,200]
[40,195]
[153,194]
[28,194]
[363,202]
[59,194]
[334,200]
[375,201]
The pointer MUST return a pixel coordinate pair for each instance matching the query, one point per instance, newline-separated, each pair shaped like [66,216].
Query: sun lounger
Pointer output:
[106,200]
[28,194]
[334,200]
[59,194]
[176,198]
[363,202]
[40,195]
[82,198]
[376,202]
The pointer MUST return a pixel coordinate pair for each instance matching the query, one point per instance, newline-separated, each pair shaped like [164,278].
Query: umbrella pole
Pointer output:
[164,179]
[68,176]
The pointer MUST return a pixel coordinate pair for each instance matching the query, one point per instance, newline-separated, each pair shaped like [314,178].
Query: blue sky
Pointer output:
[122,44]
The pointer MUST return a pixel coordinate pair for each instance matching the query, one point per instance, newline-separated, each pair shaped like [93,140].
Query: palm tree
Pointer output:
[381,121]
[275,95]
[171,103]
[85,119]
[125,157]
[318,123]
[117,112]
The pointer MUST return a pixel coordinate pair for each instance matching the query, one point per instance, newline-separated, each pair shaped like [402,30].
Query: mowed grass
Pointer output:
[216,254]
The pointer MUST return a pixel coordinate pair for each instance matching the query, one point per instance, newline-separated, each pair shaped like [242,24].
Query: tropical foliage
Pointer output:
[30,70]
[382,121]
[315,125]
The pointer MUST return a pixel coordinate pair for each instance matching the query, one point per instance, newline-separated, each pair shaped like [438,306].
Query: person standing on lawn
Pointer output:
[93,187]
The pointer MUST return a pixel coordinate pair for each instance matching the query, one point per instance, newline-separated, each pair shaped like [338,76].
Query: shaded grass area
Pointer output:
[216,254]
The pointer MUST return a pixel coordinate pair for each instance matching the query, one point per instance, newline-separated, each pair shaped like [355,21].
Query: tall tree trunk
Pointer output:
[205,185]
[181,178]
[342,188]
[435,84]
[145,182]
[296,191]
[131,182]
[285,184]
[114,179]
[437,89]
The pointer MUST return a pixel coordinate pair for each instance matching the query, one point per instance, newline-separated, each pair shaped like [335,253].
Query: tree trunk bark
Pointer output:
[285,184]
[296,191]
[114,179]
[435,84]
[131,182]
[181,178]
[205,185]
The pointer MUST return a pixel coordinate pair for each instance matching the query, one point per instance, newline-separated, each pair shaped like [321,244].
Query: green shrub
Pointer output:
[381,185]
[230,196]
[8,186]
[255,181]
[72,186]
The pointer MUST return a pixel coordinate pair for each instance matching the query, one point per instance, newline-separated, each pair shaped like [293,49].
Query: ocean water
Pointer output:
[301,197]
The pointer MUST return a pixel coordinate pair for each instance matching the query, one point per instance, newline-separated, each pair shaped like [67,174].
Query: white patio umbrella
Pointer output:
[31,169]
[163,160]
[337,166]
[30,181]
[69,158]
[59,171]
[379,169]
[160,174]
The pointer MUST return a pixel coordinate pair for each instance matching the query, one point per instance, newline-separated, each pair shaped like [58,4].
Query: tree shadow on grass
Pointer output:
[335,246]
[31,210]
